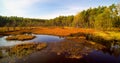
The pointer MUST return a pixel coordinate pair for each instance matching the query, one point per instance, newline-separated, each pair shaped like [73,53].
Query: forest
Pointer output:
[102,18]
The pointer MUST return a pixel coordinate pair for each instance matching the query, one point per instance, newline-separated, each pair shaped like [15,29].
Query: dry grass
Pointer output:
[67,31]
[52,31]
[20,37]
[60,31]
[109,35]
[9,29]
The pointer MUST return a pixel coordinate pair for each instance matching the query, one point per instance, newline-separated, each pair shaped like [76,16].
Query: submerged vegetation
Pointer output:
[76,48]
[20,37]
[26,49]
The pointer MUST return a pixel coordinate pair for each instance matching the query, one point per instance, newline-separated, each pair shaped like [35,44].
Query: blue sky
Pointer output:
[47,9]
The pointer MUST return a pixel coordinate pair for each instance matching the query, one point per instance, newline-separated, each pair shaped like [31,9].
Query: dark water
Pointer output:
[102,57]
[109,55]
[95,56]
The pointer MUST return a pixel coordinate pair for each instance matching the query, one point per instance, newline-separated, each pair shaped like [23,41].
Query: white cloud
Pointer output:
[18,7]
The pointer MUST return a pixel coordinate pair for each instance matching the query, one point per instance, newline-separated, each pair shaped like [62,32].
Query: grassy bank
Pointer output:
[17,30]
[104,36]
[109,35]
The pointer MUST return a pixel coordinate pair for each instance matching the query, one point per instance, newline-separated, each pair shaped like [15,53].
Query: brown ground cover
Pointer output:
[60,31]
[26,48]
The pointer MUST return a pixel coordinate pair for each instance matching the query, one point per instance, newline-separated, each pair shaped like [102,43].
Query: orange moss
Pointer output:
[20,37]
[26,48]
[61,31]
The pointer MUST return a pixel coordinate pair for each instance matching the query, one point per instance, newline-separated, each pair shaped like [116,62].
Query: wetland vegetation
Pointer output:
[26,48]
[20,37]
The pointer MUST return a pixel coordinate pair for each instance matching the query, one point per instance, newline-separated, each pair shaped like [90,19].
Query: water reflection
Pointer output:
[39,38]
[101,57]
[114,49]
[46,38]
[4,42]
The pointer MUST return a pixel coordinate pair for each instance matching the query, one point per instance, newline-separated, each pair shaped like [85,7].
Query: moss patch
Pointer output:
[20,37]
[26,49]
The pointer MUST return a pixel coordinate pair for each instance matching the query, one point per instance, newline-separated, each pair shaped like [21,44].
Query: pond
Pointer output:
[39,38]
[109,55]
[46,38]
[90,53]
[4,42]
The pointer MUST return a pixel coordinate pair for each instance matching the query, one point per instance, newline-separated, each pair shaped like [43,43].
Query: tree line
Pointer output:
[102,17]
[15,21]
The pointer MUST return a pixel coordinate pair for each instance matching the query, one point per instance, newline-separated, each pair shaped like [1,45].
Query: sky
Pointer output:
[47,9]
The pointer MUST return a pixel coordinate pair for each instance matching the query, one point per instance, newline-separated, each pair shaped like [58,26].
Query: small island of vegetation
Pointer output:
[20,37]
[26,49]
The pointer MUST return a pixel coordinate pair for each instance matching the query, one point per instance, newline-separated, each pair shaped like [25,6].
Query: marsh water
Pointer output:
[4,42]
[86,53]
[39,38]
[46,38]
